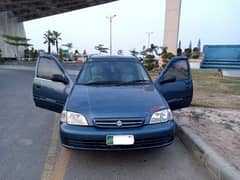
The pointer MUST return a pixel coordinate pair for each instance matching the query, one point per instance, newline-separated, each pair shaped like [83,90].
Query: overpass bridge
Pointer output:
[14,12]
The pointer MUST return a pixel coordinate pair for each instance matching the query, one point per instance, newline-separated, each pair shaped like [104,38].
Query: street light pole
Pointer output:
[149,38]
[110,20]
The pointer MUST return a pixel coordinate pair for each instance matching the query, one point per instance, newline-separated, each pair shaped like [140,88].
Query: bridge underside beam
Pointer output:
[26,10]
[14,12]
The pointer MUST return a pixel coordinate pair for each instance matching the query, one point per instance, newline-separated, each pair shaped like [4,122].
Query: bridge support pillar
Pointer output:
[172,21]
[11,26]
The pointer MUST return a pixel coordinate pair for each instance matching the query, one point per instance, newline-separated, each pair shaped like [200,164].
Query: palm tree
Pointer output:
[48,36]
[56,37]
[101,48]
[134,52]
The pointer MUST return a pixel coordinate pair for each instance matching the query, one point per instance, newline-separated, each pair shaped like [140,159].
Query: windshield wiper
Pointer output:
[101,83]
[139,81]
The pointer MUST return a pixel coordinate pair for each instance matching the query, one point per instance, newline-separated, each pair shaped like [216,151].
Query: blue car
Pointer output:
[113,103]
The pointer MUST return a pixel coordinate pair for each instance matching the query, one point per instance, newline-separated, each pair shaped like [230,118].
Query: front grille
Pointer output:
[118,123]
[101,144]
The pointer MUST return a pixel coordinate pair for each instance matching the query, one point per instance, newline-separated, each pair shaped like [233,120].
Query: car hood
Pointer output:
[115,101]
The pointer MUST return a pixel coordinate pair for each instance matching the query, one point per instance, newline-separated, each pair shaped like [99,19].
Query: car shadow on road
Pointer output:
[171,162]
[112,156]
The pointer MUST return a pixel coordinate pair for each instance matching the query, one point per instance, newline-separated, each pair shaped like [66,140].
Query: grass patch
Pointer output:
[213,82]
[213,90]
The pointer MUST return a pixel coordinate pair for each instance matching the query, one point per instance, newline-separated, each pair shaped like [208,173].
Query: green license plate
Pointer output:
[120,140]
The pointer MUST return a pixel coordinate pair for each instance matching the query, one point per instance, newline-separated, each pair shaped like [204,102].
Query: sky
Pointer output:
[212,21]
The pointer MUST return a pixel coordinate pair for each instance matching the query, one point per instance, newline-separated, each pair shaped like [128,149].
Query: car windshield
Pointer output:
[111,72]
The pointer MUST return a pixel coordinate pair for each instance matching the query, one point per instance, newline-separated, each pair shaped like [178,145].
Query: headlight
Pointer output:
[161,116]
[73,118]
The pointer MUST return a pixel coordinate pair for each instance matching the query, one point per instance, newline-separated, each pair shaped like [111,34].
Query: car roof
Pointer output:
[112,58]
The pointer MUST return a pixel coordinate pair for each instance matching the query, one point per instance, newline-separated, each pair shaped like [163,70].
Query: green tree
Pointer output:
[69,46]
[57,38]
[120,52]
[27,53]
[166,56]
[16,41]
[60,55]
[85,54]
[76,55]
[196,53]
[190,45]
[188,51]
[149,61]
[179,49]
[199,45]
[49,40]
[101,48]
[180,44]
[33,54]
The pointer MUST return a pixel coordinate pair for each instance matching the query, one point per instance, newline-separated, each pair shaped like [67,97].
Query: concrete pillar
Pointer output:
[10,25]
[172,21]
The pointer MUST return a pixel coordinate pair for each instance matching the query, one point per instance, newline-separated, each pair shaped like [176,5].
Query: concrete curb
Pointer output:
[25,68]
[218,168]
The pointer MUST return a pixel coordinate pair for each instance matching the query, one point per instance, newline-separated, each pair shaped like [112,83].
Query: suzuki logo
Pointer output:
[119,123]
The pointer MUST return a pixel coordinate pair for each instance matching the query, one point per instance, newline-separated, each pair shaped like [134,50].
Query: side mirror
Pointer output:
[168,79]
[59,78]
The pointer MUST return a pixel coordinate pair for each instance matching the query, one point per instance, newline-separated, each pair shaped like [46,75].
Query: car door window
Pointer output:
[178,69]
[46,68]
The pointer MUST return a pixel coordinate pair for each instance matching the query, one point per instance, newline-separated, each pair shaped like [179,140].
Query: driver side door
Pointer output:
[51,84]
[175,83]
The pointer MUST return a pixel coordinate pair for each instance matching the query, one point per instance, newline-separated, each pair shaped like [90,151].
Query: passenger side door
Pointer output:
[175,83]
[51,84]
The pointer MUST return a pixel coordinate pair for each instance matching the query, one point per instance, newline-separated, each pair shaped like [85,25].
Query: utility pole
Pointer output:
[149,38]
[110,20]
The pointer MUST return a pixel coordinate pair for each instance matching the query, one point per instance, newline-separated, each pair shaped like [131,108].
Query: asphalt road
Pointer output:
[30,148]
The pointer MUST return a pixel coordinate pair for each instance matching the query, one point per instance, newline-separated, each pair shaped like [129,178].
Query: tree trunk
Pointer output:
[57,46]
[49,48]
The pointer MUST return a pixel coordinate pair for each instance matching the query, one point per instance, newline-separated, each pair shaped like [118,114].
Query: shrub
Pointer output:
[196,53]
[195,56]
[27,53]
[1,58]
[179,52]
[60,55]
[149,62]
[166,56]
[188,52]
[33,54]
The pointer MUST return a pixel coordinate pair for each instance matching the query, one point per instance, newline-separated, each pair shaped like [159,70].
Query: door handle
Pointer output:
[38,87]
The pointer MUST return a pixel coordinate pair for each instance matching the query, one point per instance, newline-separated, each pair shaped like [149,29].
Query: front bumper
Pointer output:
[92,138]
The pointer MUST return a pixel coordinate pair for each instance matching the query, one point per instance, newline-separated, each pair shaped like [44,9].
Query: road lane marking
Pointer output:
[52,152]
[61,165]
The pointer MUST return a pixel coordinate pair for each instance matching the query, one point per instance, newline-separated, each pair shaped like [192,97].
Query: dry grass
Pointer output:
[213,90]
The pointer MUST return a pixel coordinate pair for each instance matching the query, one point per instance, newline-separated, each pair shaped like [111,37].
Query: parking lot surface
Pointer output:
[30,147]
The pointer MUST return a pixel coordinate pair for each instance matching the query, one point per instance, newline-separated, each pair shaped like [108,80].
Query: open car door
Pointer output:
[175,83]
[51,84]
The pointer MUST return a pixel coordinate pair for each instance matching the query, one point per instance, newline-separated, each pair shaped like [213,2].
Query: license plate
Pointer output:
[120,140]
